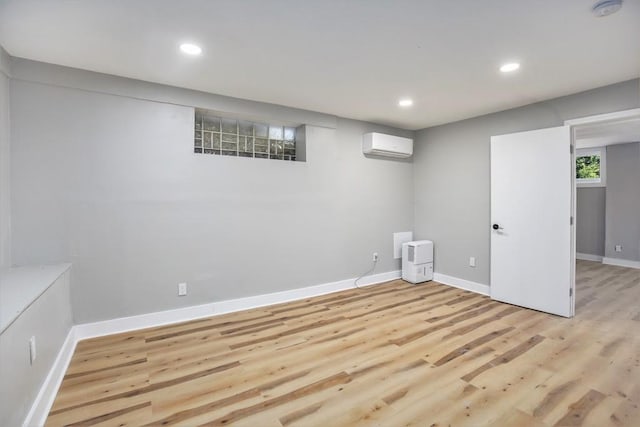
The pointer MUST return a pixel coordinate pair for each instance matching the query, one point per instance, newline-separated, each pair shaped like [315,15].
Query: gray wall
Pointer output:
[111,184]
[451,173]
[590,220]
[57,75]
[5,198]
[49,320]
[623,201]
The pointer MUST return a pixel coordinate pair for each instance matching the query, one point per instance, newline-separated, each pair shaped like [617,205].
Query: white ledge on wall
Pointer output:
[21,286]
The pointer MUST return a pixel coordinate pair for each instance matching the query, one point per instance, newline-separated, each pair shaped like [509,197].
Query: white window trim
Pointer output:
[594,182]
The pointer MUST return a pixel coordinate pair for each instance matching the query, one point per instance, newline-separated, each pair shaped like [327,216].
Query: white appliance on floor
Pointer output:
[417,261]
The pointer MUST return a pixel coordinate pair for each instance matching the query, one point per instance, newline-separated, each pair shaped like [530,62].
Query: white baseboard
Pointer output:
[40,409]
[467,285]
[37,415]
[589,257]
[621,262]
[148,320]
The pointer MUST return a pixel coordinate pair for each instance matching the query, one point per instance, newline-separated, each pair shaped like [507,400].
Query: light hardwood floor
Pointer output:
[389,355]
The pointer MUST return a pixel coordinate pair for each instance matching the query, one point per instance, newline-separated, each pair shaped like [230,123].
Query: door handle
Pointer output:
[496,227]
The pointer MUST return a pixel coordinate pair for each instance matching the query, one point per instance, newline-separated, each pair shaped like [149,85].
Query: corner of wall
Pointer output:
[5,62]
[5,162]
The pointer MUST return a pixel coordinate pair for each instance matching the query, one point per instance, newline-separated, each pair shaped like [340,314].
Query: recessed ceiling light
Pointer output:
[509,67]
[405,102]
[191,49]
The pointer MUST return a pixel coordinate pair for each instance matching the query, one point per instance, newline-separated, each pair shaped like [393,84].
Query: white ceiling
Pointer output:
[351,58]
[608,133]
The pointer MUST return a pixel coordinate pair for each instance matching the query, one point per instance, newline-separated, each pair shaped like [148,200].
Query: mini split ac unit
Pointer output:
[379,144]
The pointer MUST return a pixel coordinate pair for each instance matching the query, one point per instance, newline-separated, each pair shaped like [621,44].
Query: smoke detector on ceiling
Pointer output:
[606,7]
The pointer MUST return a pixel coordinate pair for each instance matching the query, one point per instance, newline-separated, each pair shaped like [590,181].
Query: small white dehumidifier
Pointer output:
[417,261]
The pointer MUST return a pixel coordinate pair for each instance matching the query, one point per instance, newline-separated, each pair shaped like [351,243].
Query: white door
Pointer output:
[531,232]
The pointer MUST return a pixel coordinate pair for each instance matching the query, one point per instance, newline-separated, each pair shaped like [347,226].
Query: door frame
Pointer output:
[575,125]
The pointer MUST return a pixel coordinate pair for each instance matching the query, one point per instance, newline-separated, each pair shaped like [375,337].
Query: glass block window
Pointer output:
[241,138]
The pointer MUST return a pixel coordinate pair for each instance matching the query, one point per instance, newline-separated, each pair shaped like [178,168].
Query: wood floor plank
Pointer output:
[505,357]
[579,410]
[328,382]
[501,389]
[472,345]
[390,355]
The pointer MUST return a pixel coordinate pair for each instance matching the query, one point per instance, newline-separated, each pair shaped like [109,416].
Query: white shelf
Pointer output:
[21,286]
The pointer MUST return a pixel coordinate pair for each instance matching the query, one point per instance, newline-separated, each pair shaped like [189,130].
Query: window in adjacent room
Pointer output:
[591,167]
[242,138]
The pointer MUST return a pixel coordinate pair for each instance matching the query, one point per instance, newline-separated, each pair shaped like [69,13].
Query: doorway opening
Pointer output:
[606,206]
[533,215]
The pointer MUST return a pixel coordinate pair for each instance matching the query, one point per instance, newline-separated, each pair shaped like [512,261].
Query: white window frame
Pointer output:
[594,182]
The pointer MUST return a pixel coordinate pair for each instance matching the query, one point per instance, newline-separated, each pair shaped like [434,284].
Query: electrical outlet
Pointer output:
[618,248]
[472,261]
[182,289]
[32,349]
[375,257]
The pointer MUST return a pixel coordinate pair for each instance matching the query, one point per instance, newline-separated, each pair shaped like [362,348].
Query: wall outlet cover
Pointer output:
[472,261]
[182,289]
[398,240]
[618,248]
[32,350]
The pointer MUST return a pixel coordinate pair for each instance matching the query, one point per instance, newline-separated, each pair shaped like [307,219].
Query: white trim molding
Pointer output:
[149,320]
[615,116]
[467,285]
[44,400]
[589,257]
[37,415]
[621,262]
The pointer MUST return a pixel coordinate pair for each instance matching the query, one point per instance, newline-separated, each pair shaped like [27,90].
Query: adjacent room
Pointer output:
[319,213]
[608,168]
